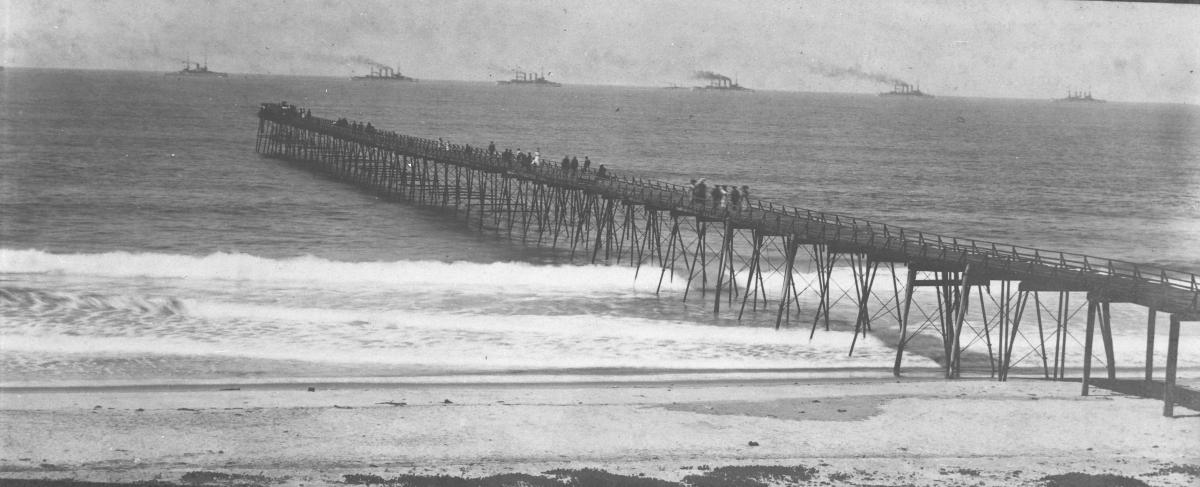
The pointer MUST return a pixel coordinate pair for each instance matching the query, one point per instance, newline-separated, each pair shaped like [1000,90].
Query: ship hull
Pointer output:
[545,84]
[198,75]
[380,78]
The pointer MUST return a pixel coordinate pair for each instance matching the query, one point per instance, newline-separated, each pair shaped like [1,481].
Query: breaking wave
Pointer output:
[314,271]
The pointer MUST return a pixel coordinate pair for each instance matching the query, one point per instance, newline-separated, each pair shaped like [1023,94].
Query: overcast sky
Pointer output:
[1021,49]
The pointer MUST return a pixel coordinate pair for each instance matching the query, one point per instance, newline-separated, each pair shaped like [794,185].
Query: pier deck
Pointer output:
[614,217]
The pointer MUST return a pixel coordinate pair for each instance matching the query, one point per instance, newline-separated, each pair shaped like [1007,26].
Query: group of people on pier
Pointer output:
[291,111]
[723,197]
[355,126]
[529,161]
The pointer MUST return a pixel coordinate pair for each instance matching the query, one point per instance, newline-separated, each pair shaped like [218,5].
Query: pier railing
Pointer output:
[1180,291]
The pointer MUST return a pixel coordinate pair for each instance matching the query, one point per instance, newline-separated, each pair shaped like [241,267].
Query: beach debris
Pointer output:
[1172,468]
[1076,479]
[753,443]
[335,406]
[139,410]
[312,389]
[586,476]
[447,401]
[363,479]
[753,475]
[231,389]
[393,403]
[204,477]
[495,480]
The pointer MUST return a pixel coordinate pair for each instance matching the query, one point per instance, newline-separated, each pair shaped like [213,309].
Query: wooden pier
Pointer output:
[727,251]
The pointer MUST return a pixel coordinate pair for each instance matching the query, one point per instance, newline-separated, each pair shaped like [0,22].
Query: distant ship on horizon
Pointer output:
[383,73]
[197,69]
[524,78]
[901,88]
[1079,96]
[722,84]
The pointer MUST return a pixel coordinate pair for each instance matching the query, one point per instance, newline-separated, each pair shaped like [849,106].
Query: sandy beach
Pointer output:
[870,431]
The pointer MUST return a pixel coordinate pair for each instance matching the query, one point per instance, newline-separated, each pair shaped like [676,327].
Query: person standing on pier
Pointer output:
[746,196]
[735,199]
[699,192]
[718,196]
[586,163]
[492,148]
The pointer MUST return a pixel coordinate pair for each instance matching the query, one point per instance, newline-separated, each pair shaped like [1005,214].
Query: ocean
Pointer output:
[143,241]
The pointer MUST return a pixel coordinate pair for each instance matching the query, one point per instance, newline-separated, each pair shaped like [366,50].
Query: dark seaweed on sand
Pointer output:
[502,480]
[4,482]
[225,479]
[1075,479]
[590,477]
[751,476]
[563,478]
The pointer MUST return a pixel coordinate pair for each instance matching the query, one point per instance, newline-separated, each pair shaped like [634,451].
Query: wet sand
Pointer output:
[870,431]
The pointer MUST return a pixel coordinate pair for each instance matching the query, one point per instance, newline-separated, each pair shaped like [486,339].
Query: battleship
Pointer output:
[197,69]
[722,85]
[523,78]
[901,88]
[1080,96]
[383,73]
[718,82]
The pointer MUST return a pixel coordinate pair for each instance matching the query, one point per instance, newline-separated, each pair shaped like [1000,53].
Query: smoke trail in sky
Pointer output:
[854,72]
[368,61]
[709,75]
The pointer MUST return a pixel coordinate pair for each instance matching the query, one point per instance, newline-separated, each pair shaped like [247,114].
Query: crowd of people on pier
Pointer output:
[722,196]
[290,111]
[728,198]
[531,161]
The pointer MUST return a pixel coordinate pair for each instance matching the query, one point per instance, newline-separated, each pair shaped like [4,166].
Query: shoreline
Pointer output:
[1189,376]
[874,431]
[582,377]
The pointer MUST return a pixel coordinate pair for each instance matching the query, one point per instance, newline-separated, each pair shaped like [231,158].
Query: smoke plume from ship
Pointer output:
[833,71]
[368,61]
[711,76]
